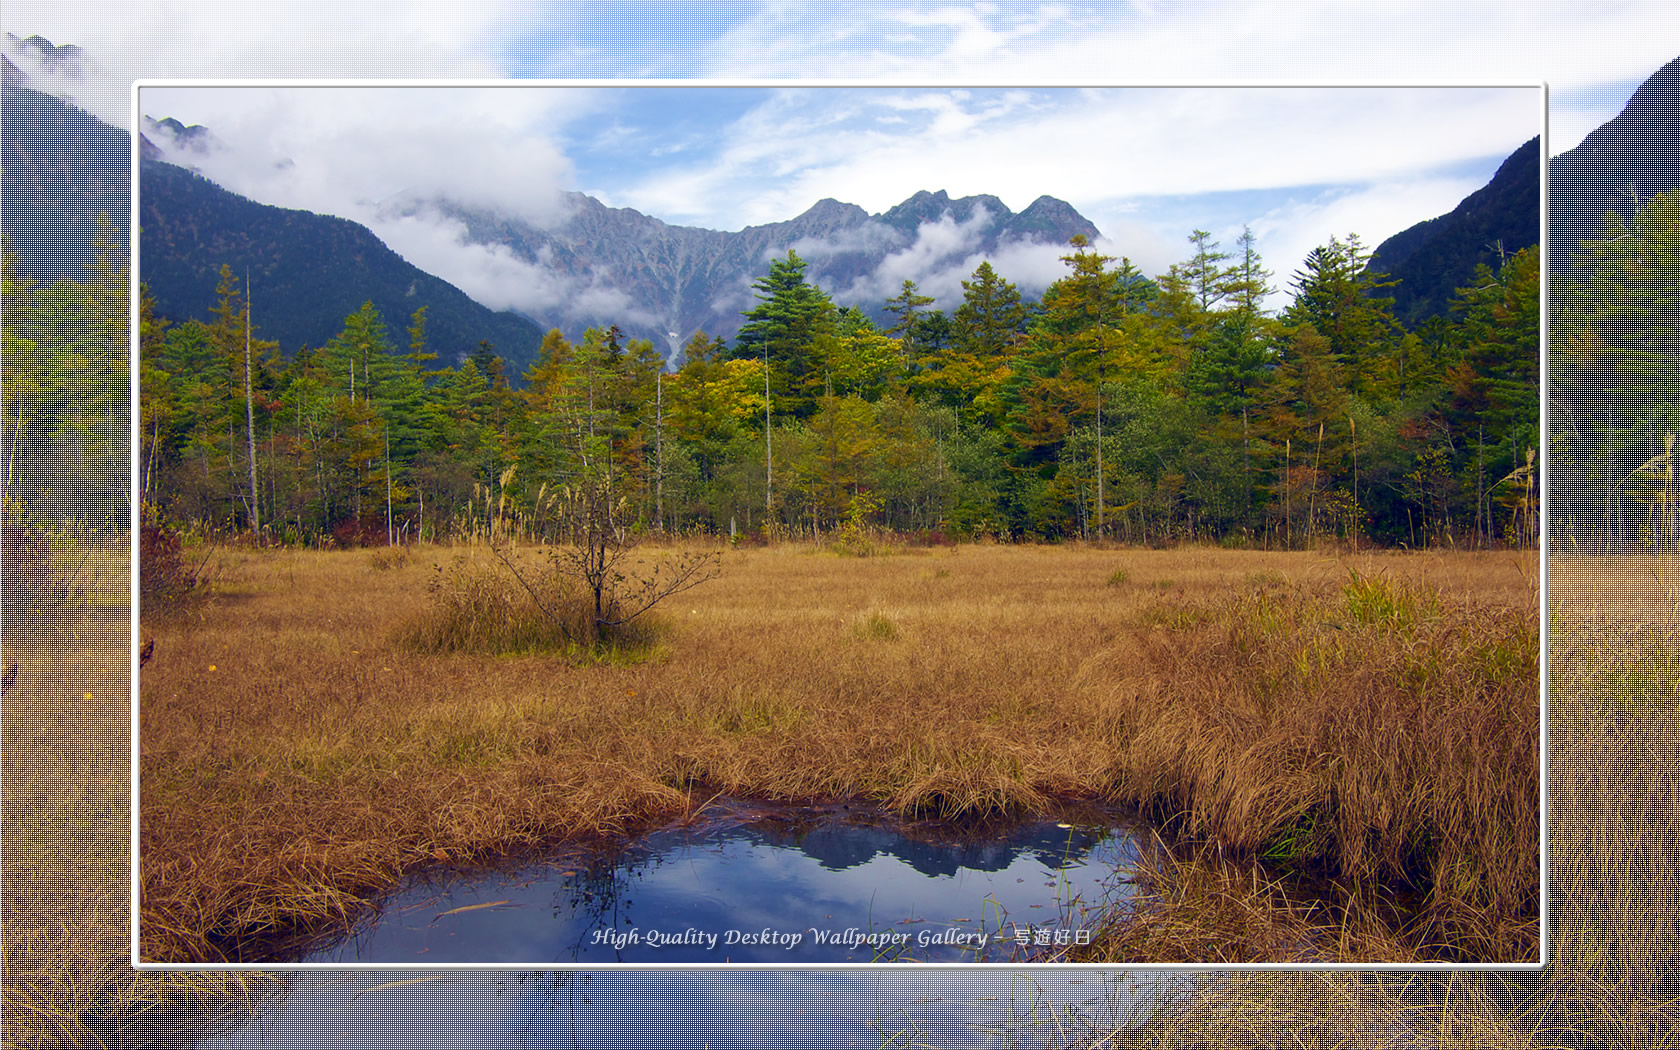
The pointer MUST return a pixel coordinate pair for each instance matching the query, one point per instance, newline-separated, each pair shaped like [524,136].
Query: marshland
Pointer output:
[1139,543]
[322,723]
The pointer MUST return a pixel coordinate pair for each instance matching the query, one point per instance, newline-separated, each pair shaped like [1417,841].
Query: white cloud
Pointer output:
[490,274]
[498,278]
[934,260]
[1571,45]
[865,237]
[204,38]
[342,151]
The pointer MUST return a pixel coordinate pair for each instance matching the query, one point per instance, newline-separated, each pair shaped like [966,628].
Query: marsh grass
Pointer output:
[328,754]
[1614,742]
[1388,740]
[488,607]
[1610,982]
[1199,906]
[64,909]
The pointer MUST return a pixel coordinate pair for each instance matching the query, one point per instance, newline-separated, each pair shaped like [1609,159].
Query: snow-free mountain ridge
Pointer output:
[663,282]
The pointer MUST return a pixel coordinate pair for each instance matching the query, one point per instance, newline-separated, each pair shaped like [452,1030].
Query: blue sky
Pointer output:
[1147,165]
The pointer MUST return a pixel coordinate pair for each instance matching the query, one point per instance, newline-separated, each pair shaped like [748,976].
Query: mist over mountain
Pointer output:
[307,272]
[185,138]
[65,60]
[600,265]
[571,262]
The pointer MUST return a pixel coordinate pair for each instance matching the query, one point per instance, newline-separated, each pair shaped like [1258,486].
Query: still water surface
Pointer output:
[892,1006]
[750,883]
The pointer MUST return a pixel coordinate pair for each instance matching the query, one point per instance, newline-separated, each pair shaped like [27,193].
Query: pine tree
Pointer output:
[1336,295]
[905,307]
[986,329]
[1246,283]
[991,317]
[1208,283]
[783,329]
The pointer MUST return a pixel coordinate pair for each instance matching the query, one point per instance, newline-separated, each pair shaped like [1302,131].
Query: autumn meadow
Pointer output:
[321,723]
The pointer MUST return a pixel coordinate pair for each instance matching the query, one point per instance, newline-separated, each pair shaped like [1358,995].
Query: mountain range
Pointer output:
[604,265]
[62,168]
[665,282]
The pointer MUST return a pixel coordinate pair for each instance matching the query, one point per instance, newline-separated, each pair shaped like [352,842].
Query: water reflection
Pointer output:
[784,886]
[717,1009]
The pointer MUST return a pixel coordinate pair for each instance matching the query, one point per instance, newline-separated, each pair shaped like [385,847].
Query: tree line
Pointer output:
[1115,406]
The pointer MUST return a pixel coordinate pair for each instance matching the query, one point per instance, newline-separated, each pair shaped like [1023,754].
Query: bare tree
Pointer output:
[618,589]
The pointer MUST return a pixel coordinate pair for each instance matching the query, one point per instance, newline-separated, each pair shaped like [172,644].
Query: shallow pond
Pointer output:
[898,1006]
[755,883]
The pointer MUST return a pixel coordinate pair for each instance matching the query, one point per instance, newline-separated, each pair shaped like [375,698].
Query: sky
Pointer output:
[1146,165]
[1301,121]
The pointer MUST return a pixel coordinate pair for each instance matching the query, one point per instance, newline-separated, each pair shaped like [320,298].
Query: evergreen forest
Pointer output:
[1117,406]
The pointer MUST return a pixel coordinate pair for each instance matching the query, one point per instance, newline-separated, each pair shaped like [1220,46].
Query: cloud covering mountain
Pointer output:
[599,265]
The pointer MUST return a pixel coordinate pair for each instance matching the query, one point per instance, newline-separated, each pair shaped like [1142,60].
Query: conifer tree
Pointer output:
[783,330]
[1336,295]
[986,329]
[906,307]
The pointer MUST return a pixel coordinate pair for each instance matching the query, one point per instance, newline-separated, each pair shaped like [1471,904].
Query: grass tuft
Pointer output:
[875,627]
[1375,600]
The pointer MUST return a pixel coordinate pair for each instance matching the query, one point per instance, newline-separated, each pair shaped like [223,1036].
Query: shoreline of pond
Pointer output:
[297,761]
[720,815]
[1301,906]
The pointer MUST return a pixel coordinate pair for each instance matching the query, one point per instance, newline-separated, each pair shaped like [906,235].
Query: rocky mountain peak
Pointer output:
[1049,218]
[830,214]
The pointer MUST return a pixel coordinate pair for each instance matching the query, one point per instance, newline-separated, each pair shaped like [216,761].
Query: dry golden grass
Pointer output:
[298,756]
[1615,778]
[66,815]
[1614,744]
[1294,1011]
[1614,748]
[1206,908]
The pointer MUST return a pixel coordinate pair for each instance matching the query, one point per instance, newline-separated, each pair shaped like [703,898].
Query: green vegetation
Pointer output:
[1116,407]
[1614,387]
